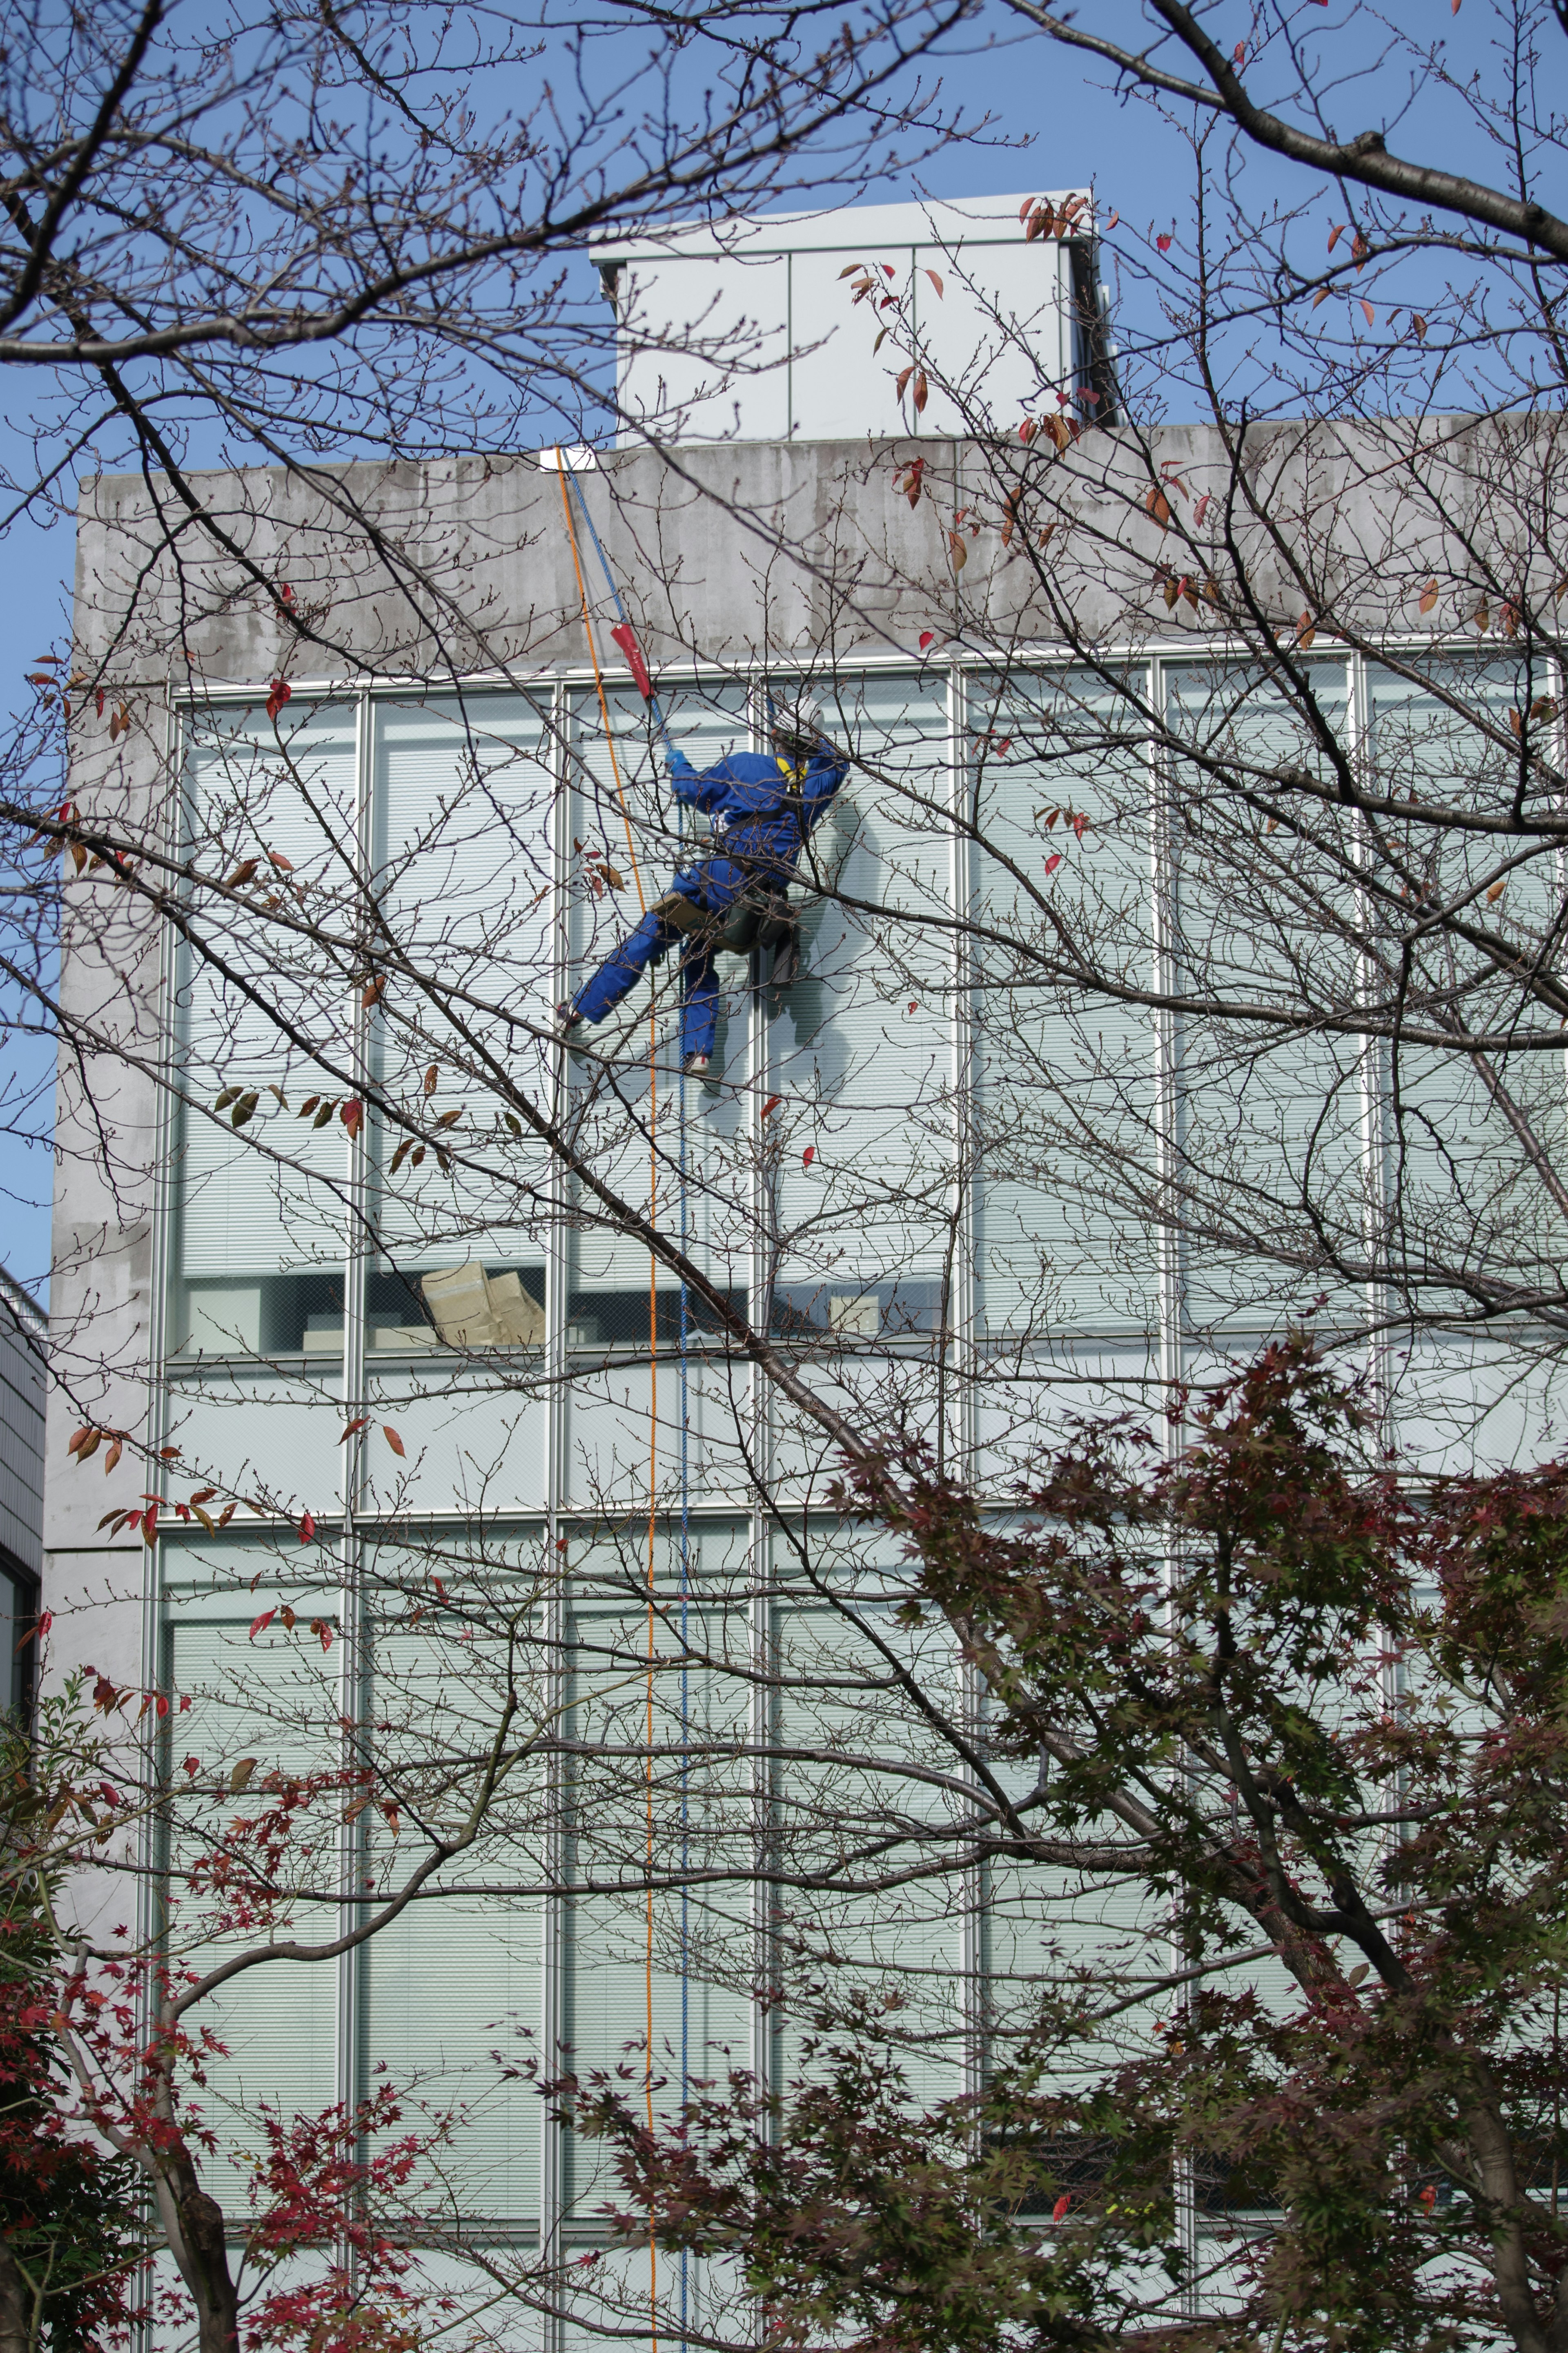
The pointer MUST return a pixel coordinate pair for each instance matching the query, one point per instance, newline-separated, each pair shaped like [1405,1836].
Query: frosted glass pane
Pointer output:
[860,1053]
[265,1201]
[1464,1187]
[465,797]
[1272,1135]
[452,1991]
[869,1804]
[633,1111]
[662,1827]
[1061,878]
[274,1699]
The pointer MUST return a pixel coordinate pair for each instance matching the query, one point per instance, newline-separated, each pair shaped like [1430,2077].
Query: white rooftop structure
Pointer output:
[799,326]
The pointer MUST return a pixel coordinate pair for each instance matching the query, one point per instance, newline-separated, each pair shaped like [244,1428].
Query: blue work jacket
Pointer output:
[761,807]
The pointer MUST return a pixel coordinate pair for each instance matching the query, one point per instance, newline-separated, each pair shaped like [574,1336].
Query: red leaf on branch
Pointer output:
[928,637]
[307,1528]
[1053,862]
[808,1155]
[772,1105]
[260,1625]
[392,1439]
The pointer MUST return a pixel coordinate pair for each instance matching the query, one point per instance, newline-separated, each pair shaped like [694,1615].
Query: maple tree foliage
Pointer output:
[68,2241]
[1314,1710]
[107,2128]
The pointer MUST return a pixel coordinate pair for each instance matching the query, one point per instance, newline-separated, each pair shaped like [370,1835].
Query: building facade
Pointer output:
[400,1317]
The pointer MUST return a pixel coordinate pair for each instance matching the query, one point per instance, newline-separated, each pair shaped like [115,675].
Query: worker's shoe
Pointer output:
[567,1014]
[693,1066]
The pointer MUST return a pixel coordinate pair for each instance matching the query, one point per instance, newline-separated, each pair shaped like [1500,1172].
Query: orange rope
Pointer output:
[653,1360]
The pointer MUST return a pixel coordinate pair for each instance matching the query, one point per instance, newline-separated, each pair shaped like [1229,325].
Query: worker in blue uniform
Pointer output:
[762,806]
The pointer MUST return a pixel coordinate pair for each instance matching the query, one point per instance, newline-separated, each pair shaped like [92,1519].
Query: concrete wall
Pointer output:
[798,549]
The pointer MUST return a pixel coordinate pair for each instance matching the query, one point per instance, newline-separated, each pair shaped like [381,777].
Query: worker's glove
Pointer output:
[678,769]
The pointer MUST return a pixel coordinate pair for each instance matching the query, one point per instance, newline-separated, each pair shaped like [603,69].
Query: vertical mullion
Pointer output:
[1166,929]
[165,1183]
[552,1924]
[1164,890]
[958,1341]
[1373,1076]
[352,1711]
[156,1640]
[760,1412]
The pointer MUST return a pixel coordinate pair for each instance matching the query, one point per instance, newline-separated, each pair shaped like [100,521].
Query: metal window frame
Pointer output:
[564,685]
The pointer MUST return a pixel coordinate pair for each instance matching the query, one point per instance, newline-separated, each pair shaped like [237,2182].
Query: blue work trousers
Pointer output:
[714,886]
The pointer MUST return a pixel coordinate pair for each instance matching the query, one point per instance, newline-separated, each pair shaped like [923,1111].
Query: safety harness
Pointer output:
[763,919]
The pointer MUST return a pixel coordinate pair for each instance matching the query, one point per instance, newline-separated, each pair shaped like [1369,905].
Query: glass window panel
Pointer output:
[261,1221]
[456,1980]
[658,1796]
[860,1235]
[1271,1140]
[1064,1076]
[868,1801]
[275,1699]
[1466,1138]
[465,794]
[626,1121]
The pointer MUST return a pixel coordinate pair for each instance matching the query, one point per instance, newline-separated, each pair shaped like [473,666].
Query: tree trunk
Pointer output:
[15,2305]
[194,2222]
[209,2279]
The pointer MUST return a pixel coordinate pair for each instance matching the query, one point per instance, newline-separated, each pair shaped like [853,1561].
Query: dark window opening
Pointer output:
[609,1319]
[18,1637]
[1094,362]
